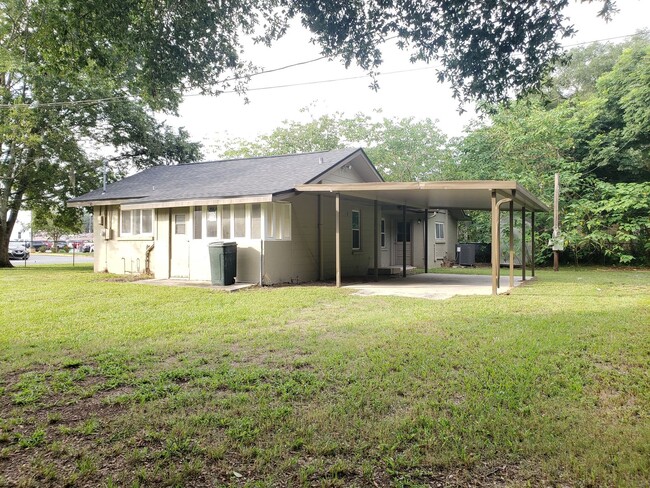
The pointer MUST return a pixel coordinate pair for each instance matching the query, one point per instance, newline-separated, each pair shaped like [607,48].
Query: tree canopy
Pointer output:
[402,149]
[597,137]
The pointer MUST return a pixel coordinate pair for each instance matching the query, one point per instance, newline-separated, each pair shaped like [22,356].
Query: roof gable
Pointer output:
[229,178]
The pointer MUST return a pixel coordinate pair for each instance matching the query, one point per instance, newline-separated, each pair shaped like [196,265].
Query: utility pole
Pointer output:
[556,222]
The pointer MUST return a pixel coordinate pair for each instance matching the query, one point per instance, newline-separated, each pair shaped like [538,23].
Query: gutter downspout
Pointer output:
[261,261]
[147,258]
[320,239]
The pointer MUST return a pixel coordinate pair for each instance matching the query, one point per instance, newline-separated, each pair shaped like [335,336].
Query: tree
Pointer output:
[56,222]
[47,132]
[597,139]
[402,149]
[81,73]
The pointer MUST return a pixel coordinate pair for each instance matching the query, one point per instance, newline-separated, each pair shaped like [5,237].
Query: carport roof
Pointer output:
[462,195]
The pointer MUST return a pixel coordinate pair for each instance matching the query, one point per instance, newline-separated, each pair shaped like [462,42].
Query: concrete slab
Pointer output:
[433,286]
[196,284]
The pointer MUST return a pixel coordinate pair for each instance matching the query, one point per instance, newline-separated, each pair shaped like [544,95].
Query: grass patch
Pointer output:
[120,384]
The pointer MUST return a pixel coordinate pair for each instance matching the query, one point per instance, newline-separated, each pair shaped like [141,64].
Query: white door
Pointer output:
[180,242]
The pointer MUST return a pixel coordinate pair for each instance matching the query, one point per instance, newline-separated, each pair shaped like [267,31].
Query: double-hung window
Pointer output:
[136,222]
[356,230]
[440,231]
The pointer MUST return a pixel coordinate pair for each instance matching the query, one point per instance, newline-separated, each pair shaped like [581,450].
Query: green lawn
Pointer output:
[108,383]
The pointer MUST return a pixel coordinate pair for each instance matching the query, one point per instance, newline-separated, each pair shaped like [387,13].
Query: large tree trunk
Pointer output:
[8,215]
[5,234]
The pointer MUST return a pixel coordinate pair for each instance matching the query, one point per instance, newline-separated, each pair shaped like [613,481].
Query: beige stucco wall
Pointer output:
[297,261]
[284,261]
[116,254]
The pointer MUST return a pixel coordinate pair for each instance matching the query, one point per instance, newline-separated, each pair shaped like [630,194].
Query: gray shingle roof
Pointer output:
[216,179]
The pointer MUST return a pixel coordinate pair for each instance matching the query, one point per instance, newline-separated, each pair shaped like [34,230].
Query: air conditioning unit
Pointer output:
[107,234]
[466,254]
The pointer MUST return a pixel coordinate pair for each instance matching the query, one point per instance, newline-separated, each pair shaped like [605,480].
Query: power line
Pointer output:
[333,80]
[272,70]
[599,40]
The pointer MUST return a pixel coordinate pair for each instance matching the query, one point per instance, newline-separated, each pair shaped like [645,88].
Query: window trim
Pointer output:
[183,223]
[132,213]
[197,224]
[356,230]
[436,235]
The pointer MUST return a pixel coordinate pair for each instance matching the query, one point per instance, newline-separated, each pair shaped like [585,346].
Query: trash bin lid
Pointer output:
[222,244]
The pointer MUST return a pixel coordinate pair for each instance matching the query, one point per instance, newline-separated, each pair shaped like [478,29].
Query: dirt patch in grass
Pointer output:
[127,278]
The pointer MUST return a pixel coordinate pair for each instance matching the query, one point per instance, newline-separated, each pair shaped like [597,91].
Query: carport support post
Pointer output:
[426,240]
[404,241]
[495,243]
[511,224]
[532,244]
[376,241]
[338,240]
[523,243]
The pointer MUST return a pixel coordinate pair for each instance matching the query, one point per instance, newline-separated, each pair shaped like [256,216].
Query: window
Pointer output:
[240,221]
[225,222]
[211,224]
[277,221]
[440,231]
[285,215]
[382,233]
[356,230]
[147,222]
[401,234]
[126,222]
[256,221]
[179,224]
[136,222]
[197,223]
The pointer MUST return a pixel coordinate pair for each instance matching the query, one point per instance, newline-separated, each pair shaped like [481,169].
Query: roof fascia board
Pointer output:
[198,202]
[98,203]
[522,196]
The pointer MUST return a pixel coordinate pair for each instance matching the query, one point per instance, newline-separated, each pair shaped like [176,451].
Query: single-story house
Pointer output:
[295,218]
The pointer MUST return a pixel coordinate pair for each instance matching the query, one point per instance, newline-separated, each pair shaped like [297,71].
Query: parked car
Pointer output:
[88,247]
[17,251]
[59,245]
[36,245]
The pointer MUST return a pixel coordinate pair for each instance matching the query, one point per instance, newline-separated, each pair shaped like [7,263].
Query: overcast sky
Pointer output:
[406,89]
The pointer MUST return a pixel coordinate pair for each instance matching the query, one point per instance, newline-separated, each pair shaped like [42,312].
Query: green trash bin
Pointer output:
[223,262]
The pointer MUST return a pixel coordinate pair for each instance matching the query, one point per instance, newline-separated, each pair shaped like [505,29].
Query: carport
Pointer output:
[429,196]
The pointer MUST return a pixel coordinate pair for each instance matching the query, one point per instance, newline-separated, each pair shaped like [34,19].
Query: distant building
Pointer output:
[23,228]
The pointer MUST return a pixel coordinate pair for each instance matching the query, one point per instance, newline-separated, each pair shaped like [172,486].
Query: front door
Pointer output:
[402,238]
[180,243]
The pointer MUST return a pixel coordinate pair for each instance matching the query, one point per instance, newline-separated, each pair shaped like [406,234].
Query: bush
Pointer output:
[42,249]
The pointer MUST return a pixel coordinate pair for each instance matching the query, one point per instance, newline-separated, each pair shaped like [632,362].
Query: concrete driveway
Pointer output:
[434,286]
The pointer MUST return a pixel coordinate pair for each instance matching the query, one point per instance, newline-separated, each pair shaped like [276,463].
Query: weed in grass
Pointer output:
[86,466]
[71,363]
[35,439]
[54,418]
[43,470]
[177,446]
[30,389]
[244,430]
[89,427]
